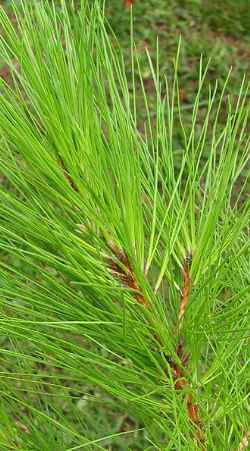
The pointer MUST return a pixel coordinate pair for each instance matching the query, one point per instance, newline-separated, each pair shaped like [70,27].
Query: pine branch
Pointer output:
[123,271]
[180,371]
[72,99]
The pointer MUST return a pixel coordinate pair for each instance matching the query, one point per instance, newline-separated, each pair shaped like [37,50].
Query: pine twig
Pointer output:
[122,268]
[178,371]
[68,177]
[186,288]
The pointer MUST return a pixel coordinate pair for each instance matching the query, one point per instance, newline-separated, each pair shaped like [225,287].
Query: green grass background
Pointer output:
[220,30]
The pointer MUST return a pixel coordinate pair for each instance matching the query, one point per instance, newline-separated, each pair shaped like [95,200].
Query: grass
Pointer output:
[218,31]
[113,337]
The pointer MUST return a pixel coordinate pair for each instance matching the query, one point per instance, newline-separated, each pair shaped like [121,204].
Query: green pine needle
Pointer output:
[101,227]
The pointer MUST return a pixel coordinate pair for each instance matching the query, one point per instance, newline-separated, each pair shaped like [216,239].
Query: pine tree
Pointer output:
[124,281]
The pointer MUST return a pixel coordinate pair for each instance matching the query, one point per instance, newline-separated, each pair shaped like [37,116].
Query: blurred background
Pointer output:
[219,30]
[216,29]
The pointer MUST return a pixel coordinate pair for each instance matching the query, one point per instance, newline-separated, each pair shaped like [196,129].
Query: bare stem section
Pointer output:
[185,292]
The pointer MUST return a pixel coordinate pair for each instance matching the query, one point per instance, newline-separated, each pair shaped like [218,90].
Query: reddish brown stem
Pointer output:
[178,371]
[68,177]
[124,272]
[181,382]
[185,293]
[122,268]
